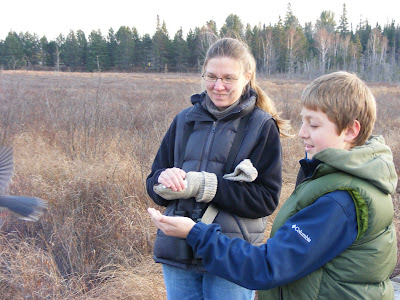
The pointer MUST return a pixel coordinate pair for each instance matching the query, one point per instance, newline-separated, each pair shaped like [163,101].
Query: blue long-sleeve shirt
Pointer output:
[307,241]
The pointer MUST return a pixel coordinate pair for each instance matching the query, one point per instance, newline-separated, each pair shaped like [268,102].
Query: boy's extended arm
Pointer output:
[307,241]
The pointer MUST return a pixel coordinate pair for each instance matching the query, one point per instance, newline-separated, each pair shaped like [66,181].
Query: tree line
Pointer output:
[284,48]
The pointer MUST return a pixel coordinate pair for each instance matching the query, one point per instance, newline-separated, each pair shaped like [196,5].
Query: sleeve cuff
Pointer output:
[194,233]
[208,191]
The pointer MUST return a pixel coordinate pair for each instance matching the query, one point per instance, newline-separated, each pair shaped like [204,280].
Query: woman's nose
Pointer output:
[219,85]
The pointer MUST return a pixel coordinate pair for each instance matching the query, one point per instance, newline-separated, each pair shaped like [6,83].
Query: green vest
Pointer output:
[360,272]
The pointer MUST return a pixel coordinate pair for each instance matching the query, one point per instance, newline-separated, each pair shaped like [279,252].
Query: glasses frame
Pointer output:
[233,80]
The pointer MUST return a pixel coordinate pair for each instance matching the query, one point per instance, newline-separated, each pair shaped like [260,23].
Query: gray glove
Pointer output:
[244,171]
[200,185]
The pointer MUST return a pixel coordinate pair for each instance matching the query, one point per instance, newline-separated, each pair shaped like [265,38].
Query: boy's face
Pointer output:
[318,133]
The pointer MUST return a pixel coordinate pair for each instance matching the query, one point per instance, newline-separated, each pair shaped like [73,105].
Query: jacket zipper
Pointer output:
[207,149]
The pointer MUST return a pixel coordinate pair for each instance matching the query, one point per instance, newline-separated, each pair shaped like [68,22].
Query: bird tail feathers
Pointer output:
[25,208]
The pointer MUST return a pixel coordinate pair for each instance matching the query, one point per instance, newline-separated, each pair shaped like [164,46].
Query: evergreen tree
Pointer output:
[248,35]
[301,50]
[212,27]
[112,46]
[254,40]
[250,40]
[13,54]
[278,61]
[355,51]
[43,45]
[180,53]
[389,30]
[192,40]
[97,52]
[125,48]
[364,31]
[31,47]
[308,33]
[70,51]
[233,27]
[50,51]
[161,47]
[146,47]
[290,19]
[327,21]
[83,49]
[1,54]
[343,27]
[138,52]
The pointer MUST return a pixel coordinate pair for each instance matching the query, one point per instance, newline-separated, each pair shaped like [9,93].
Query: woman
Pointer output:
[232,126]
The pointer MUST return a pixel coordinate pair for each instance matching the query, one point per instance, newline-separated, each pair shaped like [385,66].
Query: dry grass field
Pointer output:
[85,142]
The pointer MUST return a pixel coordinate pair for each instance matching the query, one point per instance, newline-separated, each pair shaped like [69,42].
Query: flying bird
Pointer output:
[25,208]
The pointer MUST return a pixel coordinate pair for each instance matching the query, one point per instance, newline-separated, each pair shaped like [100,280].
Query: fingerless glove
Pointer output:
[244,171]
[200,185]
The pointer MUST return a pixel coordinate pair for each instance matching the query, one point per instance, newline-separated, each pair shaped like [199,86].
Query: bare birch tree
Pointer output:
[291,39]
[344,48]
[374,44]
[323,42]
[267,50]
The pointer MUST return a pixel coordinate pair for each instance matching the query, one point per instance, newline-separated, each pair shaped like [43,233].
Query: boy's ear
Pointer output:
[352,131]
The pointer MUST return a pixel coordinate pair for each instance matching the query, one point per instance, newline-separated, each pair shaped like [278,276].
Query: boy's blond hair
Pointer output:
[343,97]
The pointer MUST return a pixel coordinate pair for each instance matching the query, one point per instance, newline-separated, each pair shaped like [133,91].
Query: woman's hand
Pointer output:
[173,226]
[173,178]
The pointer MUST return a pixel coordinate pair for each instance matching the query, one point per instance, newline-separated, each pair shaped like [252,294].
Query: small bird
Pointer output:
[25,208]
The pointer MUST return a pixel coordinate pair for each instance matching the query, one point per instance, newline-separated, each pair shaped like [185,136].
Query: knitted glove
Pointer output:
[244,171]
[200,185]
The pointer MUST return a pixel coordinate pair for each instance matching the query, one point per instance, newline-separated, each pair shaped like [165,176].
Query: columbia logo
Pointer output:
[301,233]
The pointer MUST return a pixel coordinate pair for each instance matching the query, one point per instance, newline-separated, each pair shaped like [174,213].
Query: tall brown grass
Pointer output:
[85,142]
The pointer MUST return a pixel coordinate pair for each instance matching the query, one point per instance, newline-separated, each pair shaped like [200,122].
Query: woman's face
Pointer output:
[225,94]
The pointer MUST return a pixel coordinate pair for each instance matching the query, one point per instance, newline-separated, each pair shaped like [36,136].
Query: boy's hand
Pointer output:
[173,226]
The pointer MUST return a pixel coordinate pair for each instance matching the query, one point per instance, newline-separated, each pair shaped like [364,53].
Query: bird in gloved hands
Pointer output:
[25,208]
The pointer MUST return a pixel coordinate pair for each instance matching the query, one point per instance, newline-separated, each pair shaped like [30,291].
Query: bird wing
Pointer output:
[6,167]
[26,208]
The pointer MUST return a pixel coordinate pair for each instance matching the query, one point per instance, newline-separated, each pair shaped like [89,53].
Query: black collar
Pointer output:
[307,169]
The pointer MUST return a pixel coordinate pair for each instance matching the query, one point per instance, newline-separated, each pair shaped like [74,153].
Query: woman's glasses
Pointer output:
[212,78]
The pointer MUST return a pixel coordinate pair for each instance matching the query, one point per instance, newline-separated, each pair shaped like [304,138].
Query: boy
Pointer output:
[334,237]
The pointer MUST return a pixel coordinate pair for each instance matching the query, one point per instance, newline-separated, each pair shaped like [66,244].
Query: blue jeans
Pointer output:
[189,285]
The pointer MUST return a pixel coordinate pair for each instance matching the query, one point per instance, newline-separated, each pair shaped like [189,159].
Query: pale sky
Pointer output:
[51,18]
